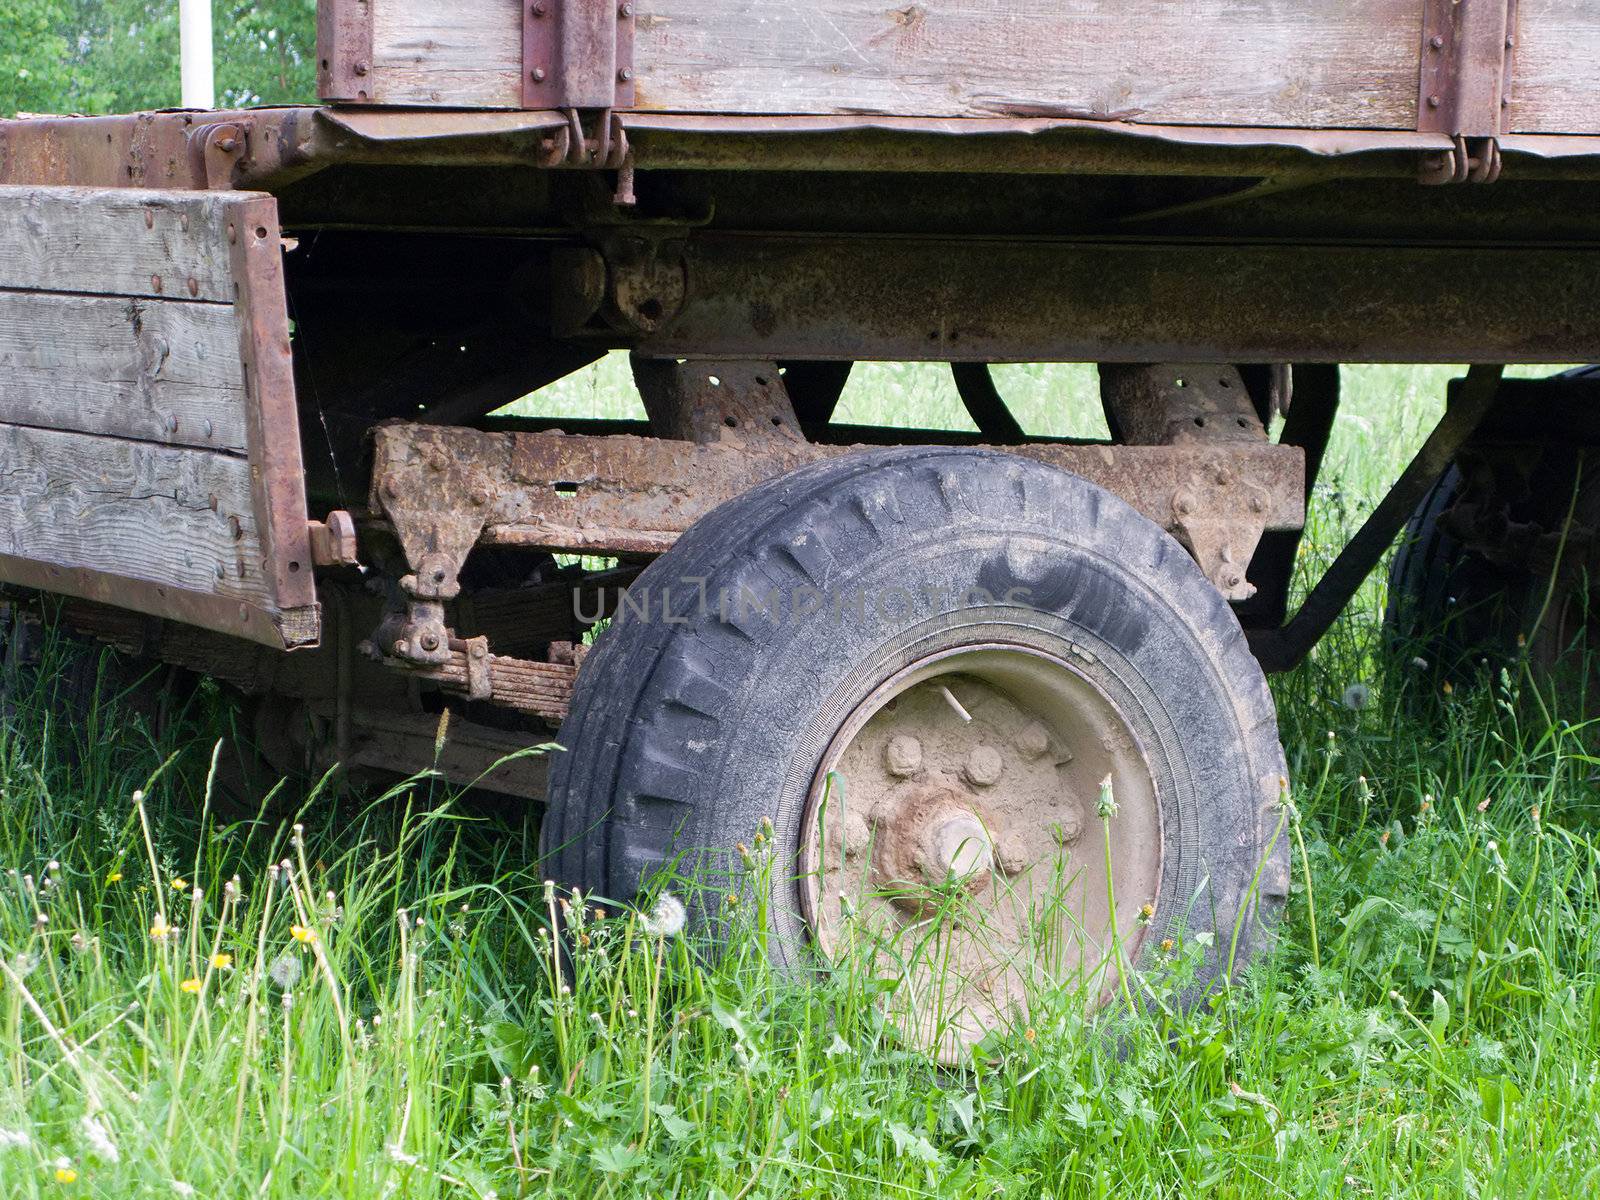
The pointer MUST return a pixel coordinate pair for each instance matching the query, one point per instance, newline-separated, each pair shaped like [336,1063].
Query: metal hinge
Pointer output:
[577,54]
[1464,85]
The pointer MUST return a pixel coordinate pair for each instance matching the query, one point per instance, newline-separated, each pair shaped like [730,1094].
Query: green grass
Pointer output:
[166,1031]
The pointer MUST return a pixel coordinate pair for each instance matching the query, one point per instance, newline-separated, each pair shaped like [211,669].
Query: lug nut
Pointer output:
[1070,826]
[961,848]
[1014,849]
[1034,739]
[855,835]
[903,755]
[430,642]
[983,766]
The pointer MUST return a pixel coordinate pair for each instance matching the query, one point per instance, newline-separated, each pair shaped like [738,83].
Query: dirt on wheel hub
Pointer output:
[954,827]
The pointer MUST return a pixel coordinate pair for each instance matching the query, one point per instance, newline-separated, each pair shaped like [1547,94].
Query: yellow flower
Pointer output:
[1447,689]
[66,1175]
[1166,945]
[302,934]
[179,885]
[222,961]
[114,877]
[160,930]
[1147,913]
[192,986]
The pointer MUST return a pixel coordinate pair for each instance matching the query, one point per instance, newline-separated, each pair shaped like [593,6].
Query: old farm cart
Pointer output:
[251,364]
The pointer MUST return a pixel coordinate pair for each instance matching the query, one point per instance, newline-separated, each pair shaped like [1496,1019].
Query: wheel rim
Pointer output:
[953,836]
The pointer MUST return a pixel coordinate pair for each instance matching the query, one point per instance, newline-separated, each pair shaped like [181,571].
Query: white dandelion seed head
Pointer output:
[666,918]
[1357,696]
[284,971]
[96,1137]
[180,1188]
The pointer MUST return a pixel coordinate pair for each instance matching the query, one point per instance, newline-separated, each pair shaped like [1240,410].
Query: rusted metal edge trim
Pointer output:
[344,49]
[284,630]
[272,423]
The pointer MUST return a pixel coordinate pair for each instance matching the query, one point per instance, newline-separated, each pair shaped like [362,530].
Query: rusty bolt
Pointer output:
[1510,41]
[1224,477]
[227,144]
[903,755]
[624,75]
[430,642]
[236,529]
[479,497]
[983,766]
[1433,102]
[360,67]
[155,282]
[537,10]
[194,286]
[438,461]
[401,646]
[625,11]
[391,487]
[1232,580]
[537,74]
[1436,42]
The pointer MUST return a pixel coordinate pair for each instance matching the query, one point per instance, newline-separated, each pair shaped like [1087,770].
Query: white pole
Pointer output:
[194,54]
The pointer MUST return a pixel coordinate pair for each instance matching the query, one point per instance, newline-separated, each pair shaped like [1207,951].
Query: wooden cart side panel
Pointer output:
[150,442]
[116,242]
[123,366]
[1286,63]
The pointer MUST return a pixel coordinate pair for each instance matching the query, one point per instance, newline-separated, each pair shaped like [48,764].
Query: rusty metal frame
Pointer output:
[344,49]
[576,54]
[273,420]
[636,495]
[1464,77]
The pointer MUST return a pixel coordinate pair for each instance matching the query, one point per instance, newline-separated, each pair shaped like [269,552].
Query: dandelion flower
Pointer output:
[666,919]
[180,885]
[1147,913]
[1357,696]
[1166,945]
[192,986]
[64,1171]
[302,934]
[1447,688]
[113,876]
[161,931]
[222,961]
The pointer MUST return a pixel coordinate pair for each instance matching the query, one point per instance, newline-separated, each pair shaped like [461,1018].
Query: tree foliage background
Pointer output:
[98,56]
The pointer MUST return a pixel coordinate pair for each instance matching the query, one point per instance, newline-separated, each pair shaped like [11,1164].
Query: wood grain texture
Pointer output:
[1227,62]
[116,241]
[156,370]
[174,517]
[1555,87]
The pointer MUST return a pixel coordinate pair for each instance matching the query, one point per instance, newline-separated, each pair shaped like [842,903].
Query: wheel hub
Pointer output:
[949,828]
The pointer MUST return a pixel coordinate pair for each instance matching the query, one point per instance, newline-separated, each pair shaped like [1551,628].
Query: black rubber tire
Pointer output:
[684,734]
[1448,607]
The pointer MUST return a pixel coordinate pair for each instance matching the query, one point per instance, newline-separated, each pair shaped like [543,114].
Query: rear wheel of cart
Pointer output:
[1498,567]
[919,665]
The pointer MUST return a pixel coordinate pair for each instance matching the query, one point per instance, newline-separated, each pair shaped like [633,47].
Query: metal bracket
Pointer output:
[1464,85]
[216,150]
[344,50]
[333,542]
[577,54]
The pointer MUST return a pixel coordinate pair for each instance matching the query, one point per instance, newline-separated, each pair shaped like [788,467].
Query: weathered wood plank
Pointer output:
[156,370]
[1226,62]
[117,241]
[1554,84]
[175,518]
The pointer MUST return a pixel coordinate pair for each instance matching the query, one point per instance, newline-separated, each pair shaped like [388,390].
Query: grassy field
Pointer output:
[364,1005]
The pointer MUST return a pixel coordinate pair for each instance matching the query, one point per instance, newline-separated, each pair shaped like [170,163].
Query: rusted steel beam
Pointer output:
[1283,648]
[627,495]
[798,297]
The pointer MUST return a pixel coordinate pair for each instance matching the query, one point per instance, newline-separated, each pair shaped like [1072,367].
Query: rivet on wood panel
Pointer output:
[155,283]
[194,286]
